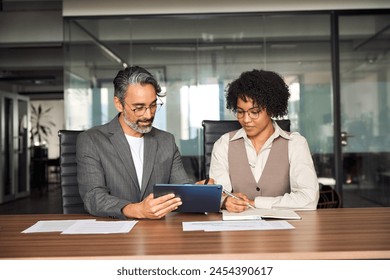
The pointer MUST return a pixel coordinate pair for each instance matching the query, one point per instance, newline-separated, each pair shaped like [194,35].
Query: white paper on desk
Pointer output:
[194,226]
[280,225]
[100,227]
[51,226]
[250,225]
[258,214]
[221,225]
[236,225]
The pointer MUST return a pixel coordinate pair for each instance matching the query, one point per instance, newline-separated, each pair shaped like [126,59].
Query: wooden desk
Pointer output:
[345,233]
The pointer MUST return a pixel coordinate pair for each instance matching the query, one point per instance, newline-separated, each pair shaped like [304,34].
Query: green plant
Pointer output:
[40,125]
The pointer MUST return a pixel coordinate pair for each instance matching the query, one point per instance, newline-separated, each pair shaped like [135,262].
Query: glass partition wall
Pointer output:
[195,57]
[365,102]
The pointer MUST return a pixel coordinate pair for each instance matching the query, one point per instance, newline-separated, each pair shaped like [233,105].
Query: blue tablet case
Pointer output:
[195,198]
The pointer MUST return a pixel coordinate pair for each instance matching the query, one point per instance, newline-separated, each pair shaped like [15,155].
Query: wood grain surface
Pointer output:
[343,233]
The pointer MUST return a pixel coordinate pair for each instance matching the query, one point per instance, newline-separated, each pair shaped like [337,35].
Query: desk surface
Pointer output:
[345,233]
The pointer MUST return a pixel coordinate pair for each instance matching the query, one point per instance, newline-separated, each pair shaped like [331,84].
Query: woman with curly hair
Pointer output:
[261,164]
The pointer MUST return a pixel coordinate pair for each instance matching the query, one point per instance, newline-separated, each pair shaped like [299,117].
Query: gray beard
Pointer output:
[135,126]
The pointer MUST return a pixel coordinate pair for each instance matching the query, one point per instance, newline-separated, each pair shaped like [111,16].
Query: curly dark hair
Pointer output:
[266,88]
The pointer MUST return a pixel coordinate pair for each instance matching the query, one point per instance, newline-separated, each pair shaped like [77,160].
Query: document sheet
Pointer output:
[236,225]
[84,226]
[258,214]
[51,226]
[100,227]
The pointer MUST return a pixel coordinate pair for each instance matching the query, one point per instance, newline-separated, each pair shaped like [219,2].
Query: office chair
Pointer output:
[329,197]
[213,130]
[71,199]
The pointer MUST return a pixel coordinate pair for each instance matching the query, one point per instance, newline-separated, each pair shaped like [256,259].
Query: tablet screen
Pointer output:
[195,198]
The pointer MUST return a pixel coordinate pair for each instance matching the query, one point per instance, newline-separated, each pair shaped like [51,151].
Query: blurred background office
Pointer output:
[58,60]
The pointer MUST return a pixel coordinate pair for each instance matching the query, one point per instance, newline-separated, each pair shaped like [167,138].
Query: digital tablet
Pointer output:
[195,198]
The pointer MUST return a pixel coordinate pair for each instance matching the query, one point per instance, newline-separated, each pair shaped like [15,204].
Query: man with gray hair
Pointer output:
[118,163]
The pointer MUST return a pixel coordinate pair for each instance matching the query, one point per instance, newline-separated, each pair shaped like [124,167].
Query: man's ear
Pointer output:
[118,104]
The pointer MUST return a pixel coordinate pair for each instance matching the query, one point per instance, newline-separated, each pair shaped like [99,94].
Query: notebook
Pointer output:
[195,198]
[258,214]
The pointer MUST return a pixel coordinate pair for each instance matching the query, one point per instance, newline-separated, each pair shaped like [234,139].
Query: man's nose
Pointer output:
[148,112]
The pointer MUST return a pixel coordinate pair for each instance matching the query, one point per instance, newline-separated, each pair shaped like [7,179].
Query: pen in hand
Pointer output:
[232,195]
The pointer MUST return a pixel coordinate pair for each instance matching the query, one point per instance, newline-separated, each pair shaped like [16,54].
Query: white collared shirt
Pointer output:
[303,179]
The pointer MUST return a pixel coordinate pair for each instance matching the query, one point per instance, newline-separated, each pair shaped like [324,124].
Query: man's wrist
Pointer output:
[131,210]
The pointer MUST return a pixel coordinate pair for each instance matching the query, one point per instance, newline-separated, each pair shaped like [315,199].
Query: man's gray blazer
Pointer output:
[106,174]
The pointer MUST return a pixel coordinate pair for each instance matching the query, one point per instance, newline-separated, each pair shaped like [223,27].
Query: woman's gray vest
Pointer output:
[275,179]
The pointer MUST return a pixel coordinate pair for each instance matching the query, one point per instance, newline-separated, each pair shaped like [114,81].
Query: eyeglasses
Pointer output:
[253,113]
[139,111]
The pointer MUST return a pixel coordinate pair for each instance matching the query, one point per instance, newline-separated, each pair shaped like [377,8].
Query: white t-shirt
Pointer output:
[137,152]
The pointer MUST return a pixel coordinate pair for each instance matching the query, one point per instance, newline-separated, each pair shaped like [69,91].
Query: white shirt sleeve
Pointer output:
[219,164]
[303,180]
